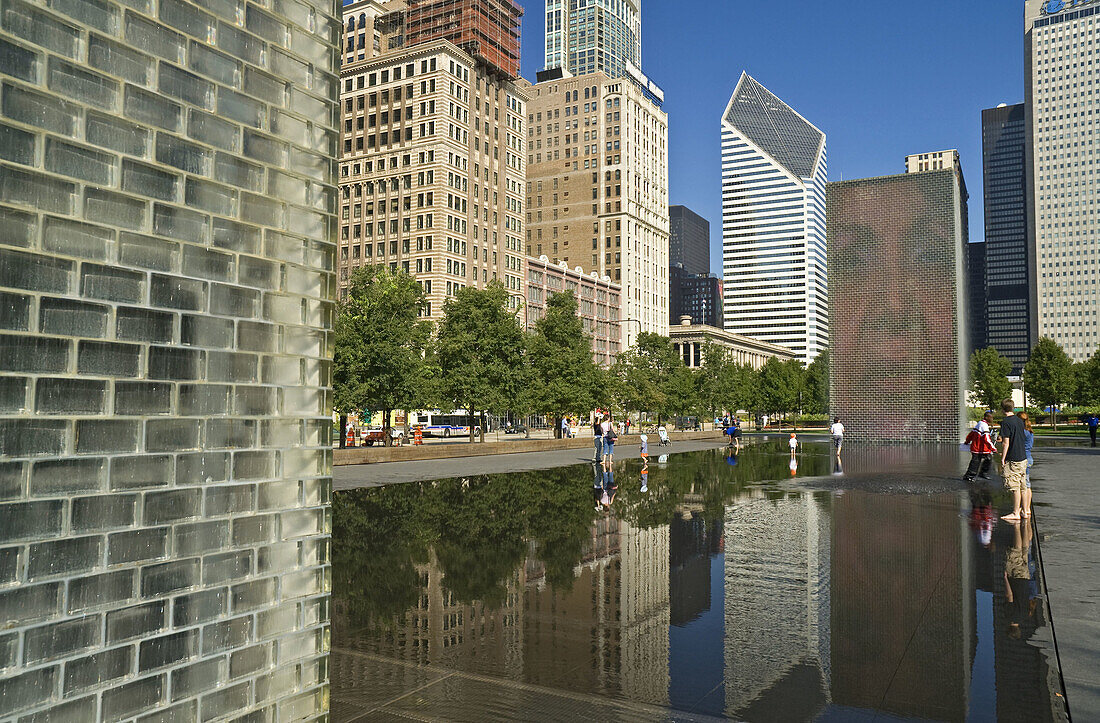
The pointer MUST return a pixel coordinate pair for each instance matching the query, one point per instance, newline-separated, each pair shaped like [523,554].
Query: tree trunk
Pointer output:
[343,431]
[1054,415]
[484,429]
[471,421]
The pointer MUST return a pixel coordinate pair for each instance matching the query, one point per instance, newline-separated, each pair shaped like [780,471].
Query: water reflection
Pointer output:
[701,586]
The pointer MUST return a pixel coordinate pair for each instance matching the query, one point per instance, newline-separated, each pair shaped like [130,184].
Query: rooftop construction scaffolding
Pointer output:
[486,29]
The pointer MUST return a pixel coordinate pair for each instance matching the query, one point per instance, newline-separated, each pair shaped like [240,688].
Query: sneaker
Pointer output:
[984,476]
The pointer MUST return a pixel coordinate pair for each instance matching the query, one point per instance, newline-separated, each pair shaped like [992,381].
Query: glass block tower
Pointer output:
[1061,59]
[166,280]
[586,36]
[773,222]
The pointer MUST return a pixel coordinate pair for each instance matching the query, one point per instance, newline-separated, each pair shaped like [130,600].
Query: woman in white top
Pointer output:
[837,430]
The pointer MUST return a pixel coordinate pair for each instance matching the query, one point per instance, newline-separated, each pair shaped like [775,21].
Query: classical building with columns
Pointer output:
[690,339]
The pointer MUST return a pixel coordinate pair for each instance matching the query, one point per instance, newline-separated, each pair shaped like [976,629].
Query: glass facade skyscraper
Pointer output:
[584,36]
[1007,301]
[1062,66]
[773,222]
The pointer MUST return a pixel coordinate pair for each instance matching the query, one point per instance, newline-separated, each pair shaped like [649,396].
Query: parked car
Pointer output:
[515,428]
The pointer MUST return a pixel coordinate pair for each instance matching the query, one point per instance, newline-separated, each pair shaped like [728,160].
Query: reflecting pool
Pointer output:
[757,586]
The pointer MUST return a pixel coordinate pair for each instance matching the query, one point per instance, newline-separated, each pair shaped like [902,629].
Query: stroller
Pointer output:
[663,434]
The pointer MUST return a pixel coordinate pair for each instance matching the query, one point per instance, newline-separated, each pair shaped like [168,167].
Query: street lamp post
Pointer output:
[626,321]
[523,305]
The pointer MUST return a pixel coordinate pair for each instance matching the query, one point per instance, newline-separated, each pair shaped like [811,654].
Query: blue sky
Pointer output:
[882,80]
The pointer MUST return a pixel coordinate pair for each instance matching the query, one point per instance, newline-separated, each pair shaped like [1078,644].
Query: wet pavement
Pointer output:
[754,587]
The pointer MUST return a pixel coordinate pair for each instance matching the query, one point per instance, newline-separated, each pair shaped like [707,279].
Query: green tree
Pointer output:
[1048,376]
[709,378]
[781,385]
[651,377]
[815,400]
[564,378]
[1088,381]
[480,347]
[989,377]
[740,388]
[381,346]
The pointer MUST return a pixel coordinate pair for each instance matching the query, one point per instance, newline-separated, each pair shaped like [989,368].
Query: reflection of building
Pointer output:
[432,170]
[597,188]
[777,607]
[599,302]
[902,605]
[773,222]
[692,540]
[688,240]
[896,285]
[608,633]
[1004,170]
[696,295]
[1060,51]
[691,339]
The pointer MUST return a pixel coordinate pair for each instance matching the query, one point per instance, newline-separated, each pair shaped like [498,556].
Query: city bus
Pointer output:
[435,423]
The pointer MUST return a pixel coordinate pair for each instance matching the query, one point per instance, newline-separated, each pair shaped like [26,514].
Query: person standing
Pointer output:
[1013,458]
[1029,442]
[1093,422]
[597,432]
[610,436]
[837,430]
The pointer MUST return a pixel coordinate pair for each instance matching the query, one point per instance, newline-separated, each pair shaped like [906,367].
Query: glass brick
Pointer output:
[125,700]
[187,157]
[284,371]
[119,60]
[28,690]
[142,398]
[310,48]
[315,165]
[15,315]
[66,317]
[186,86]
[149,108]
[229,500]
[299,645]
[204,399]
[254,530]
[218,66]
[206,331]
[95,13]
[137,546]
[31,437]
[199,607]
[111,283]
[255,401]
[187,18]
[35,190]
[240,44]
[174,364]
[16,145]
[280,557]
[110,590]
[233,301]
[108,359]
[75,83]
[136,622]
[40,110]
[132,324]
[97,436]
[259,272]
[9,650]
[11,479]
[150,181]
[70,396]
[94,670]
[174,292]
[230,433]
[85,164]
[225,634]
[262,211]
[231,367]
[154,38]
[148,252]
[308,105]
[117,135]
[224,701]
[171,506]
[103,512]
[186,712]
[208,264]
[236,236]
[208,128]
[17,229]
[202,468]
[169,577]
[34,26]
[142,472]
[211,197]
[167,650]
[172,435]
[73,238]
[57,640]
[253,465]
[20,62]
[237,172]
[197,678]
[281,433]
[64,557]
[239,107]
[266,25]
[114,208]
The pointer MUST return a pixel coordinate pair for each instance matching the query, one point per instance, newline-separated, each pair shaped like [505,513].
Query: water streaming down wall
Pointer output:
[166,227]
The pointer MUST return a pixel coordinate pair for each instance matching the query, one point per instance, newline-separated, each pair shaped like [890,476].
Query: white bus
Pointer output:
[435,423]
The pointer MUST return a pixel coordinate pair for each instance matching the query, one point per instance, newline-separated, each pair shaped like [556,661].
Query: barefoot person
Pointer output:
[1013,457]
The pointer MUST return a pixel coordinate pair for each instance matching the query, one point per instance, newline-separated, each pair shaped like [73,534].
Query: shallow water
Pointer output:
[751,586]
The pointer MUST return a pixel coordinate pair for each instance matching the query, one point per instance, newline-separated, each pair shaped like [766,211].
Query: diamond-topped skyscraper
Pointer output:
[773,222]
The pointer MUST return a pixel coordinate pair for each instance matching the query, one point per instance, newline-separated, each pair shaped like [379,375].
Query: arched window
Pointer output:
[351,24]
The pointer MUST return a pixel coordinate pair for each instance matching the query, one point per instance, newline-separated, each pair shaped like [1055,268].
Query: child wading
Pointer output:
[981,449]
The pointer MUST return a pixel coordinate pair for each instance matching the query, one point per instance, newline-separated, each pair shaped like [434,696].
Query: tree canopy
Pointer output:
[563,377]
[1048,375]
[989,372]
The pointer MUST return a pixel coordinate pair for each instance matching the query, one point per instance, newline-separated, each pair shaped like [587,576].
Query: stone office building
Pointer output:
[432,168]
[166,257]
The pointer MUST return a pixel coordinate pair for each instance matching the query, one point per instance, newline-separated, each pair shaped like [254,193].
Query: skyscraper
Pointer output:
[977,325]
[597,188]
[688,240]
[1061,60]
[773,222]
[897,297]
[595,35]
[432,171]
[696,295]
[1007,301]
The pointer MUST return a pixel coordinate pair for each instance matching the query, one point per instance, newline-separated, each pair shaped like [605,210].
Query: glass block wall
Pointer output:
[166,228]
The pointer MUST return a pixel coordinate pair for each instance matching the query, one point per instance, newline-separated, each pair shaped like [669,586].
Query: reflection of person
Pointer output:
[645,476]
[794,463]
[731,456]
[1019,594]
[891,272]
[981,515]
[837,431]
[1013,457]
[838,466]
[981,449]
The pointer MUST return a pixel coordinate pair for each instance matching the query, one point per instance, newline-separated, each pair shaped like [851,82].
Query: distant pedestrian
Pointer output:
[1093,421]
[597,432]
[793,443]
[981,449]
[837,431]
[1013,458]
[565,427]
[610,436]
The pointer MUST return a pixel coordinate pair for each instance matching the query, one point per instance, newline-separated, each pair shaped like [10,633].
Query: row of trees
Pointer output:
[480,359]
[1051,378]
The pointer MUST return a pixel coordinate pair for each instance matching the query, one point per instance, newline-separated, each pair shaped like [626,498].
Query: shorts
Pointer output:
[837,441]
[1015,474]
[608,446]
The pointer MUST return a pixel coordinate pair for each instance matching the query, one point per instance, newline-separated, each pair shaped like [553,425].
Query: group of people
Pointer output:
[1016,442]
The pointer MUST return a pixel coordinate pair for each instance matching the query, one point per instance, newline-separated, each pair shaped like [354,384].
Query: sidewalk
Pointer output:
[1067,520]
[374,475]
